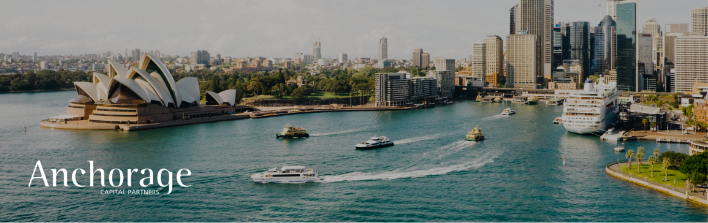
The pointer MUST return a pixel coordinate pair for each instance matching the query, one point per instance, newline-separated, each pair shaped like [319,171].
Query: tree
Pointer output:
[665,164]
[652,160]
[639,156]
[676,159]
[255,86]
[695,163]
[629,155]
[644,122]
[696,178]
[653,125]
[656,155]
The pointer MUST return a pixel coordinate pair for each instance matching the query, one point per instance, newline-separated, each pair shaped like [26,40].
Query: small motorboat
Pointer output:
[558,120]
[508,111]
[375,142]
[287,174]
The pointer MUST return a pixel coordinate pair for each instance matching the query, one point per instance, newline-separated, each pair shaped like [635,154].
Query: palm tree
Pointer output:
[644,122]
[629,155]
[653,126]
[652,160]
[665,164]
[656,154]
[639,156]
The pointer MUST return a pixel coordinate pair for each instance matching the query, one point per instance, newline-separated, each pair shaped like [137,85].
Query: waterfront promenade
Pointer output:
[672,135]
[698,197]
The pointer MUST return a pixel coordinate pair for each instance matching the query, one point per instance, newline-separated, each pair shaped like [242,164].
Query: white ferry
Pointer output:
[594,109]
[287,174]
[375,142]
[508,111]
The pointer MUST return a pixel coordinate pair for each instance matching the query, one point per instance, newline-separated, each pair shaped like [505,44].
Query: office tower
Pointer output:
[392,89]
[200,57]
[521,63]
[43,65]
[627,73]
[479,64]
[308,59]
[125,53]
[691,65]
[611,8]
[677,28]
[441,63]
[699,21]
[537,19]
[607,28]
[644,53]
[218,56]
[383,48]
[513,18]
[15,56]
[34,57]
[316,50]
[557,45]
[579,47]
[651,26]
[494,57]
[417,58]
[445,82]
[598,62]
[157,54]
[424,60]
[342,57]
[136,54]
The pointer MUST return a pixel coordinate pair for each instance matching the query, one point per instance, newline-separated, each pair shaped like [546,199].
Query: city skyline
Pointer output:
[87,27]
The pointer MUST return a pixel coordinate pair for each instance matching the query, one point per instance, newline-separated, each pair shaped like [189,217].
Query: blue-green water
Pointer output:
[516,174]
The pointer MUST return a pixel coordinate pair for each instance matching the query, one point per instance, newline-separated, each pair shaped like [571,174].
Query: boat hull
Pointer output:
[373,147]
[292,136]
[257,179]
[475,139]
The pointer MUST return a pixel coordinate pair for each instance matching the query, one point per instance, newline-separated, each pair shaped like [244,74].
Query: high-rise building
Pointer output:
[627,72]
[604,43]
[521,63]
[422,87]
[479,63]
[125,53]
[392,89]
[316,50]
[513,18]
[651,26]
[383,48]
[445,82]
[557,45]
[424,60]
[441,63]
[699,20]
[342,57]
[644,53]
[677,28]
[417,58]
[611,8]
[308,59]
[579,39]
[494,57]
[136,54]
[199,57]
[34,57]
[15,56]
[537,19]
[691,64]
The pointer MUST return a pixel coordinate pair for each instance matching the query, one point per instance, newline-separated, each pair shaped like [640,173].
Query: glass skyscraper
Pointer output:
[626,46]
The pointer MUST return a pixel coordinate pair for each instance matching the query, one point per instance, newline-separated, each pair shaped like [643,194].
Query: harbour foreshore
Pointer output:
[673,136]
[697,197]
[263,112]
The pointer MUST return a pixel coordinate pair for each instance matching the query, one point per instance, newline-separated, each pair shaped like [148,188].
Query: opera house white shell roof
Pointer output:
[150,82]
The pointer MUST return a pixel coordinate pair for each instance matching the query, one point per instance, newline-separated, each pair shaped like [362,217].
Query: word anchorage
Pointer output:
[144,182]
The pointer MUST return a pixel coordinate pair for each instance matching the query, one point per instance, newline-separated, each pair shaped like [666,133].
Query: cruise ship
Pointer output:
[592,110]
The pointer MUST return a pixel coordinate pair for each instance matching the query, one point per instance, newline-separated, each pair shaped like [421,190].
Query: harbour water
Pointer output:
[431,174]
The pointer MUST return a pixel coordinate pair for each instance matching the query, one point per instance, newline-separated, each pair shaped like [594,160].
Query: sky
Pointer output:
[267,28]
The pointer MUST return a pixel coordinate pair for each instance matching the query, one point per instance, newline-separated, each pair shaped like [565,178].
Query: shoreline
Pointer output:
[613,170]
[86,125]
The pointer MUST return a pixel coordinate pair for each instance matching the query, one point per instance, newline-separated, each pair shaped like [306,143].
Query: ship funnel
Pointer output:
[589,86]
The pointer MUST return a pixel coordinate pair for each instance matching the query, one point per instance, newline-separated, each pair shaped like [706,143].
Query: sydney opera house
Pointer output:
[143,95]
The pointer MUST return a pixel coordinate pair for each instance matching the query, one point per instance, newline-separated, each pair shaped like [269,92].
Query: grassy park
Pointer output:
[319,95]
[658,174]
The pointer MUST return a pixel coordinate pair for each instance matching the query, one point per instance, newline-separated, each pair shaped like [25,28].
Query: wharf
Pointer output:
[617,136]
[699,196]
[673,136]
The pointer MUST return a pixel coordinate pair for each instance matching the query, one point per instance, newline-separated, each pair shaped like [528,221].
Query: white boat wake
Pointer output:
[337,133]
[493,117]
[416,139]
[449,149]
[413,173]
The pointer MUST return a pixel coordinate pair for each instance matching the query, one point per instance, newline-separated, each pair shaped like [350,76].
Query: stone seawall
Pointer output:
[693,197]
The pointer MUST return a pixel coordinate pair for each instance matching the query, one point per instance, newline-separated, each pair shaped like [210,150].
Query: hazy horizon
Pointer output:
[282,28]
